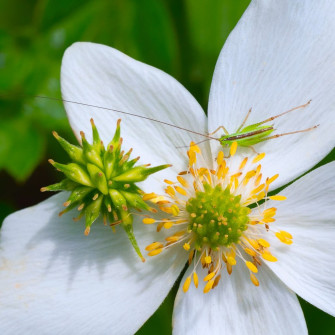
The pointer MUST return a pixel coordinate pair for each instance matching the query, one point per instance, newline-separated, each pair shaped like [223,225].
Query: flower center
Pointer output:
[217,217]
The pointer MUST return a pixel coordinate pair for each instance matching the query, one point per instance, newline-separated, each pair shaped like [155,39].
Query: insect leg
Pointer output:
[291,110]
[290,133]
[216,130]
[244,121]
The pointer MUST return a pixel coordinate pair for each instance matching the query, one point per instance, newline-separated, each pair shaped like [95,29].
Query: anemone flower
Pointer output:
[280,55]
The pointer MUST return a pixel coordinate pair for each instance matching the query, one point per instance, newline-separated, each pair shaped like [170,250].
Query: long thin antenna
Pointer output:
[125,113]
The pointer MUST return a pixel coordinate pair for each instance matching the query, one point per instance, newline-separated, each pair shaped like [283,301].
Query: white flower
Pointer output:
[280,55]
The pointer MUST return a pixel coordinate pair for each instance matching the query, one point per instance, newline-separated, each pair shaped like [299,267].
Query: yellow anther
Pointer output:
[286,234]
[268,256]
[192,157]
[251,266]
[243,163]
[258,169]
[149,196]
[254,243]
[283,239]
[250,252]
[258,158]
[182,181]
[174,210]
[220,158]
[180,190]
[233,148]
[194,147]
[209,276]
[154,246]
[257,189]
[258,179]
[170,191]
[195,279]
[250,174]
[190,256]
[208,286]
[208,259]
[231,260]
[186,246]
[277,197]
[168,182]
[148,220]
[270,212]
[229,268]
[187,284]
[254,279]
[263,243]
[155,252]
[272,179]
[160,226]
[172,238]
[260,196]
[168,224]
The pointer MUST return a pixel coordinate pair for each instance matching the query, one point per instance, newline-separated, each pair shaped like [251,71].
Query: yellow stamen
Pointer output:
[168,224]
[186,246]
[187,284]
[180,190]
[168,181]
[277,197]
[170,191]
[251,266]
[243,163]
[155,252]
[209,276]
[258,158]
[154,246]
[148,220]
[263,243]
[233,148]
[254,279]
[268,256]
[208,260]
[195,279]
[220,157]
[149,196]
[182,181]
[208,286]
[286,234]
[272,179]
[195,148]
[231,260]
[250,252]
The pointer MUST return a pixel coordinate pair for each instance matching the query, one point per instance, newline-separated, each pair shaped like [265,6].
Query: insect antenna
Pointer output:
[187,146]
[122,112]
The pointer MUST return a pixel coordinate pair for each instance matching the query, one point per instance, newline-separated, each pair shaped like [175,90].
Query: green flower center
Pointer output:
[216,217]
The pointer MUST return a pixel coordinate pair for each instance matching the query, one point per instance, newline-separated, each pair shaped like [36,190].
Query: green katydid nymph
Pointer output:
[247,136]
[244,136]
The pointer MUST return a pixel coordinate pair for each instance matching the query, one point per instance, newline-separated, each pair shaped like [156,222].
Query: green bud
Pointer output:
[74,172]
[98,178]
[118,200]
[74,152]
[138,173]
[64,185]
[103,182]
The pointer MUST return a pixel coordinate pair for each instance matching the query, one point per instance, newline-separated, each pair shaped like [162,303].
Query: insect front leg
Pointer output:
[244,121]
[216,130]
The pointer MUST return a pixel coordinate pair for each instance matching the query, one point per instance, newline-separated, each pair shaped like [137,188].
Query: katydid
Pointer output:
[244,136]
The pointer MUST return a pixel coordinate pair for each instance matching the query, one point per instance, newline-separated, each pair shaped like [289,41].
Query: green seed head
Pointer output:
[102,181]
[216,217]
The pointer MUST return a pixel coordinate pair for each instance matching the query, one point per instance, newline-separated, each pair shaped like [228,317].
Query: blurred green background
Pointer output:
[181,37]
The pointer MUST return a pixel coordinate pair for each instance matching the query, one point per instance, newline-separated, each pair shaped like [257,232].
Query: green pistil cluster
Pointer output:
[216,217]
[102,181]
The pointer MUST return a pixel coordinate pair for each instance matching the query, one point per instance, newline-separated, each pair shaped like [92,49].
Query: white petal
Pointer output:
[55,280]
[280,55]
[102,76]
[236,306]
[307,266]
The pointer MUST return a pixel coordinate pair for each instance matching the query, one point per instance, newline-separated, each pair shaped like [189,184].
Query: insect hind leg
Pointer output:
[290,133]
[281,114]
[244,121]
